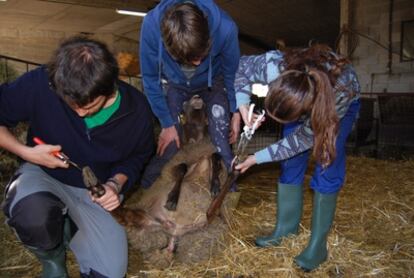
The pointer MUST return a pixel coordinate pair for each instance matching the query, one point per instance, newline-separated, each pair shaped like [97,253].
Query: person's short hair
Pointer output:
[82,69]
[185,32]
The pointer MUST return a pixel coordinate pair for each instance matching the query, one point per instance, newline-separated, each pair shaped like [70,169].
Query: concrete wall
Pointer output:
[367,17]
[377,73]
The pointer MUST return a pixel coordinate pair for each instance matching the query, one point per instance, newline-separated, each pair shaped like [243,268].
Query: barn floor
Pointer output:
[372,236]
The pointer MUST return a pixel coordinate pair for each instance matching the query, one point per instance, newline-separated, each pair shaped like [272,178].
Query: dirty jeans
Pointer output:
[218,125]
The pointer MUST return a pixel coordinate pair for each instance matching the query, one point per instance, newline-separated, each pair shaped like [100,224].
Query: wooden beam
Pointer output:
[255,41]
[142,5]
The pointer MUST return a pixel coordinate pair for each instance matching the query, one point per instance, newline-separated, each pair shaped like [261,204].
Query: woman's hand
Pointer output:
[246,164]
[244,112]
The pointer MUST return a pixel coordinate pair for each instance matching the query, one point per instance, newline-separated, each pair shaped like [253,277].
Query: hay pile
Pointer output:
[372,236]
[128,63]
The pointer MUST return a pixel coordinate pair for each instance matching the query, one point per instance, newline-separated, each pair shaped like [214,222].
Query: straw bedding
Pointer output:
[372,235]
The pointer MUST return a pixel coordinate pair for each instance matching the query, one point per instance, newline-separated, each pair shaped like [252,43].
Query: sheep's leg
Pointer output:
[215,169]
[172,244]
[179,172]
[134,218]
[216,203]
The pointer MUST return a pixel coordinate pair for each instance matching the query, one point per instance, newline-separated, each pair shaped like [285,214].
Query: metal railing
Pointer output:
[384,128]
[11,68]
[369,131]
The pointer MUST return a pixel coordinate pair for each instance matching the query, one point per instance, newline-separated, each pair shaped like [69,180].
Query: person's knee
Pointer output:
[154,168]
[10,194]
[219,116]
[38,220]
[331,179]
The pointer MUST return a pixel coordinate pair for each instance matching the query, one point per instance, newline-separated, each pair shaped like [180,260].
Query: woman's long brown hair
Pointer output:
[305,88]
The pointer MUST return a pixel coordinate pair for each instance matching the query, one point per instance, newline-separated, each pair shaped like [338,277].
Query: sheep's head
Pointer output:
[194,120]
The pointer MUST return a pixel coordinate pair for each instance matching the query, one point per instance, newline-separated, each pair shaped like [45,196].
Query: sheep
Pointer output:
[175,205]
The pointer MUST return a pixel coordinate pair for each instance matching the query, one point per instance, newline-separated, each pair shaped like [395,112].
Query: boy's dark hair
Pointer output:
[185,32]
[82,69]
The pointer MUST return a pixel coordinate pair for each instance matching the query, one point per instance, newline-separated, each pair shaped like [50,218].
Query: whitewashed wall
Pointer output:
[371,18]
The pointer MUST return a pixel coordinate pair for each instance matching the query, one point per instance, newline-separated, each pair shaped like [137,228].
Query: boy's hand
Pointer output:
[110,200]
[234,128]
[43,155]
[167,135]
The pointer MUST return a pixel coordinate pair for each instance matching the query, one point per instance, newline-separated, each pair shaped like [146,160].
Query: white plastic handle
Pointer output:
[257,121]
[250,115]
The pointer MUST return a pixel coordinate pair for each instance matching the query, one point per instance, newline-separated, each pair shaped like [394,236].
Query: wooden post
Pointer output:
[345,22]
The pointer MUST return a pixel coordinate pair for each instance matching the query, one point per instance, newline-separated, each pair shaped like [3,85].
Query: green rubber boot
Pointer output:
[54,261]
[322,217]
[289,214]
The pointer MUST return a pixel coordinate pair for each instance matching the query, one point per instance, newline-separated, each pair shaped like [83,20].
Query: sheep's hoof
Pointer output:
[171,205]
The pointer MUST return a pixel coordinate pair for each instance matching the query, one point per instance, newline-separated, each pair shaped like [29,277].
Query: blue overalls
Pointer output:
[331,179]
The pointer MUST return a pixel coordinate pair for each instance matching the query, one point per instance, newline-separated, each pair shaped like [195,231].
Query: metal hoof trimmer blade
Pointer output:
[240,156]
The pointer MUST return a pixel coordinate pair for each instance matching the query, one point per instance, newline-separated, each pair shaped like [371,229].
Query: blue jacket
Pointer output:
[157,64]
[122,145]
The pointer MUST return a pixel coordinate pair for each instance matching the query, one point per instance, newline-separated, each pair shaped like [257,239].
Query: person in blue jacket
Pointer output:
[76,105]
[188,48]
[314,93]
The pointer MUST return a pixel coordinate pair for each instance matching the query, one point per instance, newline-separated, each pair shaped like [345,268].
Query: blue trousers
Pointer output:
[325,181]
[218,113]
